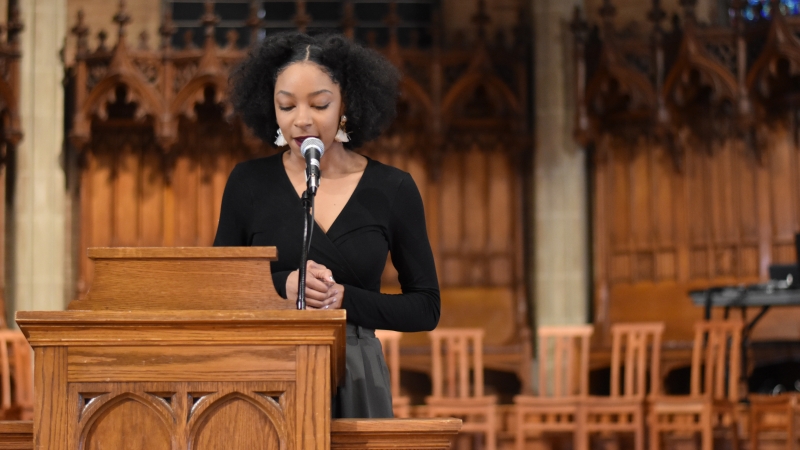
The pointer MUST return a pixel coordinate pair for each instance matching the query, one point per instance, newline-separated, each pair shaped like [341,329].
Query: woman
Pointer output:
[295,86]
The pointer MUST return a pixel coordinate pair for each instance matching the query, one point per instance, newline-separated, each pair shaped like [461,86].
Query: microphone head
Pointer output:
[310,143]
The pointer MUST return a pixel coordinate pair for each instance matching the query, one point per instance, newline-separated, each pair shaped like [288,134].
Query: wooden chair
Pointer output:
[716,365]
[458,382]
[16,376]
[631,343]
[564,353]
[390,341]
[773,413]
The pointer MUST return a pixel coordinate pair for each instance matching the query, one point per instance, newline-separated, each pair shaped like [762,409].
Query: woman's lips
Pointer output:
[299,140]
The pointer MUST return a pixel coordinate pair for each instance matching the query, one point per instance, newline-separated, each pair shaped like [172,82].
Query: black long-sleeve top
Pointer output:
[384,215]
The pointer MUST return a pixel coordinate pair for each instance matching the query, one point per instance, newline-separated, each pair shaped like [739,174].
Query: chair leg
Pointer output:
[638,433]
[638,438]
[706,432]
[655,439]
[734,431]
[519,438]
[491,440]
[653,431]
[491,433]
[581,439]
[754,431]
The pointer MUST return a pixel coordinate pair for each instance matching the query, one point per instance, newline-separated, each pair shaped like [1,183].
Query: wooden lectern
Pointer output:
[192,348]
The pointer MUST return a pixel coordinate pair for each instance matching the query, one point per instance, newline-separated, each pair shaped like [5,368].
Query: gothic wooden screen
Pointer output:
[696,166]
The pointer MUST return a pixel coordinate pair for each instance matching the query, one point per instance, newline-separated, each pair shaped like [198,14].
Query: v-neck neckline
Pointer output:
[290,185]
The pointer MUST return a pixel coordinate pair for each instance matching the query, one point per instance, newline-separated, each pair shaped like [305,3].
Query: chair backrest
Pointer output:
[717,359]
[631,344]
[16,370]
[451,349]
[390,341]
[564,353]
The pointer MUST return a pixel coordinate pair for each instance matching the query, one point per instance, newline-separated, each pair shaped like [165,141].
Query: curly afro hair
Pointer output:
[369,83]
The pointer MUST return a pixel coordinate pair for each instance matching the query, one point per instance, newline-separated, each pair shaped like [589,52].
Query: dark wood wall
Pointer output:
[695,176]
[721,220]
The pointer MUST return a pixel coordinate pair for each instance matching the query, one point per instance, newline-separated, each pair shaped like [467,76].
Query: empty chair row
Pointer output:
[562,402]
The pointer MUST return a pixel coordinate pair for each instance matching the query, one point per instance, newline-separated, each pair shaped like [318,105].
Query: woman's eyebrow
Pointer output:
[321,91]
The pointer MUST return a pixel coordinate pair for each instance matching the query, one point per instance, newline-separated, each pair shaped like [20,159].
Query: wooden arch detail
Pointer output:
[194,93]
[148,102]
[416,94]
[628,81]
[782,43]
[693,58]
[466,86]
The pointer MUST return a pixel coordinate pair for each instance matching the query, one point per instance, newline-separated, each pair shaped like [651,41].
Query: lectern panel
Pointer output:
[313,387]
[246,379]
[202,415]
[236,423]
[53,382]
[182,363]
[130,424]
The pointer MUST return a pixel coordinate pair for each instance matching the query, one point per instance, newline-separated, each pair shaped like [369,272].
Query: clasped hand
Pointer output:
[322,292]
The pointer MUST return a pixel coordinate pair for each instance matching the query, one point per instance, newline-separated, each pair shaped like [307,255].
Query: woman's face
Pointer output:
[307,104]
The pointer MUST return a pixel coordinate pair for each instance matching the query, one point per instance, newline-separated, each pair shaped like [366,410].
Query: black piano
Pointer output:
[764,296]
[783,289]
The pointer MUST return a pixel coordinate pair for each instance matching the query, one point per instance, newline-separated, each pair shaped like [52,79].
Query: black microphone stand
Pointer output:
[308,209]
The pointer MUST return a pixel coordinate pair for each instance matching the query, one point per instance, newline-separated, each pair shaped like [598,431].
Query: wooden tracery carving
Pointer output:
[693,77]
[157,139]
[695,168]
[182,411]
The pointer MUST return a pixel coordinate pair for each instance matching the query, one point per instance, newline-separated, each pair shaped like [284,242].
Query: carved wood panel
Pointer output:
[132,195]
[182,415]
[722,220]
[470,212]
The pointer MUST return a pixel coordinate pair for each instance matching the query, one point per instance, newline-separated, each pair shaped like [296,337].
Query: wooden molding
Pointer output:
[350,434]
[184,278]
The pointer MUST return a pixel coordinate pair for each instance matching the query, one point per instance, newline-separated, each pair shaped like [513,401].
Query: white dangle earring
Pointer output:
[341,135]
[280,141]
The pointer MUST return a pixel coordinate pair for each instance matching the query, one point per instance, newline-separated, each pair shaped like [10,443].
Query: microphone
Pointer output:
[312,150]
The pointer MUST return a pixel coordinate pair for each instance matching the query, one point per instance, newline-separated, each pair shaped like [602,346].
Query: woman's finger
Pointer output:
[320,272]
[316,295]
[317,284]
[315,304]
[326,276]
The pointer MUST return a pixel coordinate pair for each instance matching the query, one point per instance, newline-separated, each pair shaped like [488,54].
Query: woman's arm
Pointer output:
[235,213]
[418,307]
